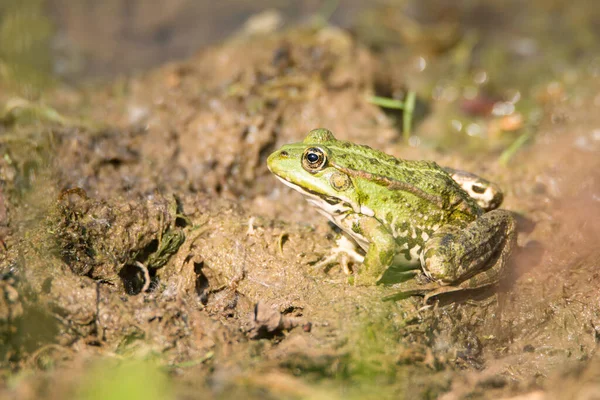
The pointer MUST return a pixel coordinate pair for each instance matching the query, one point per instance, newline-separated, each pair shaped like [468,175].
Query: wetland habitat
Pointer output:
[146,251]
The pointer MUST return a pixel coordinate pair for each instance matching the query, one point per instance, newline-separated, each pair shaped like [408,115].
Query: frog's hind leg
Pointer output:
[471,257]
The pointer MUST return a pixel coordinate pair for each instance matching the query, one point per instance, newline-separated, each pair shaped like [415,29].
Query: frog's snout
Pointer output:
[278,155]
[275,157]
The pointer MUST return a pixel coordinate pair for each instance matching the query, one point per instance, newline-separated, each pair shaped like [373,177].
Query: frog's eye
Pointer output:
[314,159]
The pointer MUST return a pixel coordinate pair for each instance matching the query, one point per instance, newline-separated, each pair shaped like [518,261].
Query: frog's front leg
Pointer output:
[380,253]
[470,257]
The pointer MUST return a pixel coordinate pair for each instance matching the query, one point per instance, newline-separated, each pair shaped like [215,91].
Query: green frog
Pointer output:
[412,219]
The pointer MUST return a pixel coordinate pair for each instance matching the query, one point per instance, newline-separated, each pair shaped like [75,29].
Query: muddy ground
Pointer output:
[147,252]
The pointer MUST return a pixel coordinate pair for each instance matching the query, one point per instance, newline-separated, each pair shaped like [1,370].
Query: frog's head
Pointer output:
[308,168]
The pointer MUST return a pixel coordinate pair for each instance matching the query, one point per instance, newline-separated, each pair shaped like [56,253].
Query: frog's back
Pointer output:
[423,179]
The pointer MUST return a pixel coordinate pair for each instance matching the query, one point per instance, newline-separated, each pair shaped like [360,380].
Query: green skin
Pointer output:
[406,215]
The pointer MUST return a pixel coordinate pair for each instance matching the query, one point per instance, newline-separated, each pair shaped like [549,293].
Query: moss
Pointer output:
[129,380]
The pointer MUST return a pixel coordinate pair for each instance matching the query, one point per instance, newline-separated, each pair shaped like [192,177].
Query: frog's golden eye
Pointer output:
[314,159]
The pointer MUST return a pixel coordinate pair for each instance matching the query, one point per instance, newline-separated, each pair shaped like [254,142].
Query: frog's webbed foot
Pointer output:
[419,285]
[343,253]
[433,291]
[447,294]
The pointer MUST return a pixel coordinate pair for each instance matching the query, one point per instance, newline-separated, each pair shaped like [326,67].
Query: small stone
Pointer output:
[528,348]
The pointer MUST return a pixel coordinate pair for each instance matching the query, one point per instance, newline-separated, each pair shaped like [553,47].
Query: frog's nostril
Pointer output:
[284,154]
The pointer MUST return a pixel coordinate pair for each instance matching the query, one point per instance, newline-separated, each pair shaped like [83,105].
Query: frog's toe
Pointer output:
[434,294]
[343,253]
[325,262]
[449,294]
[414,287]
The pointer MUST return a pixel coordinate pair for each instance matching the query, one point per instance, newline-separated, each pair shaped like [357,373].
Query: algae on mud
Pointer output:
[199,131]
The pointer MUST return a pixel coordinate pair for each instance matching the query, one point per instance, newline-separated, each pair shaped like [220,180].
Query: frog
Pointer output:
[437,227]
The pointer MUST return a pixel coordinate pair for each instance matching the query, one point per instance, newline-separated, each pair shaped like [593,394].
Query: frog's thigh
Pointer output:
[473,256]
[380,253]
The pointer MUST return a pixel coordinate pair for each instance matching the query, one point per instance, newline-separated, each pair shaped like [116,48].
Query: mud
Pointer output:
[142,236]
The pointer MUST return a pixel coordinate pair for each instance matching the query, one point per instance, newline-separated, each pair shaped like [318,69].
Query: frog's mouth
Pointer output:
[331,205]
